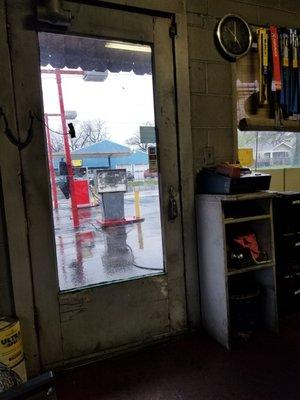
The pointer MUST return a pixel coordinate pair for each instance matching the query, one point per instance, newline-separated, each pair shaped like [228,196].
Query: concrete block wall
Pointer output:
[211,77]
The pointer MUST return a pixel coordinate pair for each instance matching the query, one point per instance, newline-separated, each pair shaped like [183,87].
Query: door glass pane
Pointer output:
[100,128]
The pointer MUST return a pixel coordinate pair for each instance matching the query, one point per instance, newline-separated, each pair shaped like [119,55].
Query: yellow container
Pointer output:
[11,346]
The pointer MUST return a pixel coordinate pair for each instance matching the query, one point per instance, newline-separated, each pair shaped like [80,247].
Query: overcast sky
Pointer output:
[124,101]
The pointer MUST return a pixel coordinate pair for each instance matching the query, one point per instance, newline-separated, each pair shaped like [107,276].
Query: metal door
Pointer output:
[98,319]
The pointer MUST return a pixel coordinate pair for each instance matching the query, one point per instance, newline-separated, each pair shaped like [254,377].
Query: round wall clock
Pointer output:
[233,37]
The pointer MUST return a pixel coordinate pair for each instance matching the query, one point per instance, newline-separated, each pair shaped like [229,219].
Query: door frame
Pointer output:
[15,189]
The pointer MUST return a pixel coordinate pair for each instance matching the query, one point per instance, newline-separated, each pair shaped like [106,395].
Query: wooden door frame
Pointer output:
[19,243]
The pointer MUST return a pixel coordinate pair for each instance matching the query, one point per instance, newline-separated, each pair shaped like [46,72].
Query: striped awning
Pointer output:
[90,54]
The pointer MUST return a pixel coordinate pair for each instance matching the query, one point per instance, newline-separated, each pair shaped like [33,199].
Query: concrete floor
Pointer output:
[92,255]
[196,368]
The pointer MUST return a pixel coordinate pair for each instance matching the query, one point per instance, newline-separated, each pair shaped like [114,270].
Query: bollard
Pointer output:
[137,204]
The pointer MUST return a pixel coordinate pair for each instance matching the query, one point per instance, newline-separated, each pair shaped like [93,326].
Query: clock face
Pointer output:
[234,36]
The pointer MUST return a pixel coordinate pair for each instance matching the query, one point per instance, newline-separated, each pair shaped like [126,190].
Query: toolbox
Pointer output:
[209,181]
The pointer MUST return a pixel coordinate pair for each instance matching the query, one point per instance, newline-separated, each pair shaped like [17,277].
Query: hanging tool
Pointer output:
[294,99]
[298,70]
[276,58]
[263,56]
[276,81]
[284,40]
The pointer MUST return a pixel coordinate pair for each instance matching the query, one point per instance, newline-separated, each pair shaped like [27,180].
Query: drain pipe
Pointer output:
[52,12]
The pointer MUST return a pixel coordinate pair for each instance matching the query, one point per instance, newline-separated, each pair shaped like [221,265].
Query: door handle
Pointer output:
[172,205]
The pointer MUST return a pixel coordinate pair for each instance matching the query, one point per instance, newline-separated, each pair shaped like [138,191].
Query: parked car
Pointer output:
[148,174]
[130,176]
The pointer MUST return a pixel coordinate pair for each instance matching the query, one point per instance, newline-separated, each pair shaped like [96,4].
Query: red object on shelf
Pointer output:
[81,193]
[231,170]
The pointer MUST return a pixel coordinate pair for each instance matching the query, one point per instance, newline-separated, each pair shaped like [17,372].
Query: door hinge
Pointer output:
[173,29]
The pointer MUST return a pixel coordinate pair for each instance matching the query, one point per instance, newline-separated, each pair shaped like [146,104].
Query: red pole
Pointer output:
[67,150]
[51,166]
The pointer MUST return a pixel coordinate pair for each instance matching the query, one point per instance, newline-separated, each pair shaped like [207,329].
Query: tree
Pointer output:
[272,138]
[135,140]
[57,143]
[296,160]
[87,133]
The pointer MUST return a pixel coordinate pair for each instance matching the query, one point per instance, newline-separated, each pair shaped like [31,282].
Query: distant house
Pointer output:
[136,163]
[107,154]
[281,154]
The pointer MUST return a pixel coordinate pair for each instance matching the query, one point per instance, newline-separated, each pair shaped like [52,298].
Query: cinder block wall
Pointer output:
[211,77]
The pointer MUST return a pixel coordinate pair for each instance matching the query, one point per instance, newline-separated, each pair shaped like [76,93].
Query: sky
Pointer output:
[124,101]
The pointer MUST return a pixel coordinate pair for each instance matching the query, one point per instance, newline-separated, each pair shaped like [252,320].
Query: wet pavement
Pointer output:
[91,254]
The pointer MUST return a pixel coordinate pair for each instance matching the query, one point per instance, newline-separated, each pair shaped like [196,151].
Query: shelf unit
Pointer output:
[232,271]
[246,219]
[217,215]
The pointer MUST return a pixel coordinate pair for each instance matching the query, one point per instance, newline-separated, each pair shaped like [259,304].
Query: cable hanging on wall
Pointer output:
[21,145]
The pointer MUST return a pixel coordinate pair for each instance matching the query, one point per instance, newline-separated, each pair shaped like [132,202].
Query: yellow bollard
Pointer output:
[137,204]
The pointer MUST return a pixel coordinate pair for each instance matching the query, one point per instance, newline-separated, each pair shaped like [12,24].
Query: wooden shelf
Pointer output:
[250,268]
[235,197]
[246,219]
[214,230]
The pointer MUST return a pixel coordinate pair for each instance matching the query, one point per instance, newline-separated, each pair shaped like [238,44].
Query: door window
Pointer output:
[100,127]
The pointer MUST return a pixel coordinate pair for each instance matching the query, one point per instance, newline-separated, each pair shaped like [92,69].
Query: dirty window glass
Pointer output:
[272,149]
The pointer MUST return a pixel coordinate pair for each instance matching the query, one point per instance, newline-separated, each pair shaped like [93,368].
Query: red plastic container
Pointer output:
[81,191]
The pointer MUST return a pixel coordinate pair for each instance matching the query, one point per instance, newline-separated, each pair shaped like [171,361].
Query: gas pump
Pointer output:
[112,185]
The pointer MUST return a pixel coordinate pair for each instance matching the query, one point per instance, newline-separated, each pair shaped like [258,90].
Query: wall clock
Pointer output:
[233,37]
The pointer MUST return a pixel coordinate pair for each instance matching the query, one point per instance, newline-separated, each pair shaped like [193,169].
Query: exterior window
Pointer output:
[271,149]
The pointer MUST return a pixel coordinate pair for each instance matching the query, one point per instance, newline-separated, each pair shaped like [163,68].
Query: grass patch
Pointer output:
[146,182]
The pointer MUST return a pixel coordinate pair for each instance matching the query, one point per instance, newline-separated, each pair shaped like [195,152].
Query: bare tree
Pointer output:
[296,160]
[57,144]
[135,140]
[87,133]
[272,138]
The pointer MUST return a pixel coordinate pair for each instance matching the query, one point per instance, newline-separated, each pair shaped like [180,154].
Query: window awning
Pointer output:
[90,54]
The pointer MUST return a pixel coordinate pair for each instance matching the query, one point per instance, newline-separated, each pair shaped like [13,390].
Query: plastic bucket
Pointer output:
[244,312]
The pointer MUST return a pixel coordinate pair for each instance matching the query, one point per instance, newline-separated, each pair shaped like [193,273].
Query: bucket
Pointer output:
[11,346]
[244,312]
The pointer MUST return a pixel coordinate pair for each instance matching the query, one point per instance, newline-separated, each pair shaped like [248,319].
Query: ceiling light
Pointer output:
[95,76]
[128,46]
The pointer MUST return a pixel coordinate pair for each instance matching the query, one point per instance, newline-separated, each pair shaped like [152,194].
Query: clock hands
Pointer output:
[234,34]
[234,28]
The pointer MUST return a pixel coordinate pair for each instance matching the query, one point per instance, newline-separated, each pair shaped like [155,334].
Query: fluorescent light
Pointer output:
[128,46]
